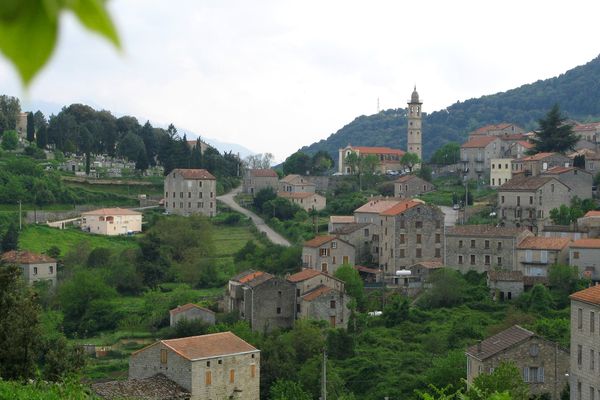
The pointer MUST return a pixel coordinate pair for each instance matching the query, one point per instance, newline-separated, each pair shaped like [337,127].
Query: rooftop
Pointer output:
[526,183]
[366,270]
[350,228]
[25,257]
[378,150]
[112,211]
[296,195]
[507,276]
[590,295]
[187,307]
[263,173]
[479,142]
[525,144]
[316,293]
[342,219]
[191,173]
[401,207]
[586,244]
[407,178]
[484,231]
[319,241]
[499,342]
[592,213]
[307,273]
[252,278]
[543,243]
[536,157]
[377,206]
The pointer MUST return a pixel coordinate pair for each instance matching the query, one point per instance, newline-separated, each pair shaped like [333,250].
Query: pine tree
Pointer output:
[553,134]
[30,128]
[141,163]
[10,241]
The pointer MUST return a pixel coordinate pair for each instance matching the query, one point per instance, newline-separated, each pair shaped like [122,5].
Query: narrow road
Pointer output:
[273,236]
[450,215]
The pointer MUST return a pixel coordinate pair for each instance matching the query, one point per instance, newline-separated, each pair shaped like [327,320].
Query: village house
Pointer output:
[412,232]
[505,285]
[578,180]
[521,148]
[527,200]
[538,163]
[476,156]
[191,312]
[592,160]
[389,159]
[536,254]
[191,191]
[306,200]
[585,347]
[327,253]
[358,235]
[420,274]
[370,212]
[588,135]
[296,184]
[339,221]
[585,255]
[500,172]
[256,180]
[264,300]
[35,267]
[501,130]
[544,364]
[409,186]
[482,248]
[590,223]
[209,367]
[112,221]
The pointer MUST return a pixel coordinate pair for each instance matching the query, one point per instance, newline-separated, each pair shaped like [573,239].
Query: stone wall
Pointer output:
[582,374]
[146,363]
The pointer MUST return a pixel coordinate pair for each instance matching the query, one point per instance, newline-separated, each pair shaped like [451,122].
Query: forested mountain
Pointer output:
[577,92]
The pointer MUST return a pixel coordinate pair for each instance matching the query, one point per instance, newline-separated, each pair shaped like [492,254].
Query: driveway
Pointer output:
[450,215]
[273,236]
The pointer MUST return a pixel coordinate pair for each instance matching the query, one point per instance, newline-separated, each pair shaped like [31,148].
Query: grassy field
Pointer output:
[39,238]
[121,190]
[230,239]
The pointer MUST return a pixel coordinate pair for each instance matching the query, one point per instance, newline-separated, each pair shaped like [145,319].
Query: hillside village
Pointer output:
[399,277]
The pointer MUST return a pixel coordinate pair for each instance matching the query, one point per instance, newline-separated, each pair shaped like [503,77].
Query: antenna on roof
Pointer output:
[378,105]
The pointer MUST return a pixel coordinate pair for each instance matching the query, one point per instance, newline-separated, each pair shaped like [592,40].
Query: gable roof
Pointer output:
[188,306]
[350,228]
[316,293]
[321,240]
[527,183]
[543,243]
[592,213]
[294,177]
[263,173]
[536,157]
[590,295]
[342,219]
[401,207]
[377,150]
[252,278]
[308,273]
[483,230]
[561,170]
[193,173]
[499,342]
[586,244]
[377,206]
[479,142]
[25,257]
[408,178]
[112,211]
[525,144]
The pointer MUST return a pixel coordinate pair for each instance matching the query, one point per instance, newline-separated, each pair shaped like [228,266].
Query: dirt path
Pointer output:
[260,224]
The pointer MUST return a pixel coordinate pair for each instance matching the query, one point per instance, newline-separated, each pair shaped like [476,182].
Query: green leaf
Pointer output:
[93,15]
[27,36]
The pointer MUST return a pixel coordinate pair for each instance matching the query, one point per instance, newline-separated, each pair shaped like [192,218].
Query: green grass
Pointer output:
[121,190]
[39,238]
[230,239]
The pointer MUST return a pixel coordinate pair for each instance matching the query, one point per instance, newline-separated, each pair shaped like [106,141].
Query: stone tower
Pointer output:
[413,136]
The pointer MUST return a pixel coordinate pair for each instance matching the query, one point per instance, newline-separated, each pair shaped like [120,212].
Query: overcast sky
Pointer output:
[276,75]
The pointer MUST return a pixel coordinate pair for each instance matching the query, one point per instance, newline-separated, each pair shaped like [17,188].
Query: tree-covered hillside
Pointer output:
[577,92]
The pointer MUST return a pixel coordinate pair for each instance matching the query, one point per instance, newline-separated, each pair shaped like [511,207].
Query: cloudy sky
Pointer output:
[276,75]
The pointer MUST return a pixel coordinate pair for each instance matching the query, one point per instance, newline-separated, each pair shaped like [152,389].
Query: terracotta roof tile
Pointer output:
[308,273]
[558,170]
[479,142]
[586,244]
[319,241]
[367,270]
[189,173]
[316,293]
[499,342]
[249,276]
[378,150]
[543,243]
[25,257]
[407,178]
[536,157]
[592,213]
[112,211]
[212,345]
[484,230]
[401,207]
[377,206]
[590,295]
[187,307]
[526,183]
[263,173]
[525,144]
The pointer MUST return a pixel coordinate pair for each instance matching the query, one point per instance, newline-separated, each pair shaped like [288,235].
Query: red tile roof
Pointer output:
[378,150]
[250,276]
[592,214]
[526,183]
[536,157]
[189,173]
[187,307]
[206,346]
[112,211]
[319,241]
[25,257]
[377,206]
[401,207]
[367,270]
[316,293]
[586,244]
[590,295]
[558,170]
[525,144]
[543,243]
[303,275]
[479,142]
[263,173]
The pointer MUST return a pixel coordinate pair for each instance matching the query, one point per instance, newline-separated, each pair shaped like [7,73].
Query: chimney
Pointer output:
[479,346]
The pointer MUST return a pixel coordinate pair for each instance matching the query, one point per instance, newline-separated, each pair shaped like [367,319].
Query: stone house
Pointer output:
[536,254]
[572,231]
[419,273]
[476,156]
[257,179]
[544,364]
[585,347]
[262,299]
[578,180]
[500,130]
[305,200]
[538,163]
[500,172]
[358,235]
[409,186]
[482,247]
[214,366]
[339,221]
[327,253]
[191,312]
[191,191]
[590,223]
[296,184]
[112,221]
[527,201]
[588,135]
[592,160]
[35,267]
[505,285]
[412,232]
[521,148]
[389,159]
[585,255]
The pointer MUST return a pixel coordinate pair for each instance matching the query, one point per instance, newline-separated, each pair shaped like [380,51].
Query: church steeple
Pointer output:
[413,137]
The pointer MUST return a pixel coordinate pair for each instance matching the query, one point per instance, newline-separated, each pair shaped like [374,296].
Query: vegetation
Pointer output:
[303,164]
[564,215]
[553,134]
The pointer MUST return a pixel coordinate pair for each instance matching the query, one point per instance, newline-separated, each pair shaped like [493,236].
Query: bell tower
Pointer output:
[413,136]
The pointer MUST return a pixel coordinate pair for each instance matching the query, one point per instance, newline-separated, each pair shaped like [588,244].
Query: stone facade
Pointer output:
[296,184]
[538,163]
[256,180]
[578,180]
[544,365]
[482,247]
[476,156]
[500,130]
[536,254]
[500,172]
[305,200]
[191,312]
[327,253]
[409,186]
[414,136]
[325,304]
[191,191]
[35,267]
[358,235]
[505,285]
[585,347]
[585,255]
[216,366]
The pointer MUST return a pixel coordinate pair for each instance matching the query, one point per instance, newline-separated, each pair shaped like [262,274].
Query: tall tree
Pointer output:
[321,163]
[409,160]
[9,112]
[141,163]
[553,135]
[10,241]
[30,127]
[297,163]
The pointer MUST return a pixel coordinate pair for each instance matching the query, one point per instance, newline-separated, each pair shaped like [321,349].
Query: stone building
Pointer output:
[538,163]
[191,312]
[257,179]
[296,184]
[409,186]
[476,156]
[585,346]
[505,285]
[527,201]
[500,130]
[544,364]
[411,232]
[339,221]
[578,180]
[482,247]
[500,172]
[389,159]
[262,299]
[585,255]
[327,253]
[191,191]
[590,223]
[112,221]
[370,212]
[209,367]
[305,200]
[35,267]
[358,235]
[414,135]
[536,254]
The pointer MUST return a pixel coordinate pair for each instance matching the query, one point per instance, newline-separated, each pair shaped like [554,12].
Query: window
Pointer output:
[576,255]
[528,255]
[231,376]
[499,261]
[166,194]
[579,318]
[499,246]
[402,238]
[579,354]
[323,252]
[208,364]
[578,390]
[438,238]
[200,183]
[534,350]
[181,195]
[592,359]
[502,200]
[402,254]
[438,224]
[278,310]
[163,356]
[35,270]
[472,243]
[200,195]
[592,322]
[189,195]
[51,269]
[181,204]
[592,391]
[334,245]
[418,224]
[332,304]
[174,195]
[366,232]
[334,260]
[418,253]
[552,188]
[189,204]
[418,238]
[208,378]
[487,260]
[530,199]
[253,371]
[472,259]
[544,256]
[487,244]
[460,259]
[220,362]
[460,244]
[345,259]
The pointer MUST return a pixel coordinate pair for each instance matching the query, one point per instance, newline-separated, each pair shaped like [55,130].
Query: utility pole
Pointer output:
[466,201]
[324,377]
[20,216]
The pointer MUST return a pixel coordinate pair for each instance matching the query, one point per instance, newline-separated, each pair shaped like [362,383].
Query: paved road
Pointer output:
[450,216]
[258,221]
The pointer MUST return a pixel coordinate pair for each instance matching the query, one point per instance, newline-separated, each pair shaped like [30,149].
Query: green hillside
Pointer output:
[577,91]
